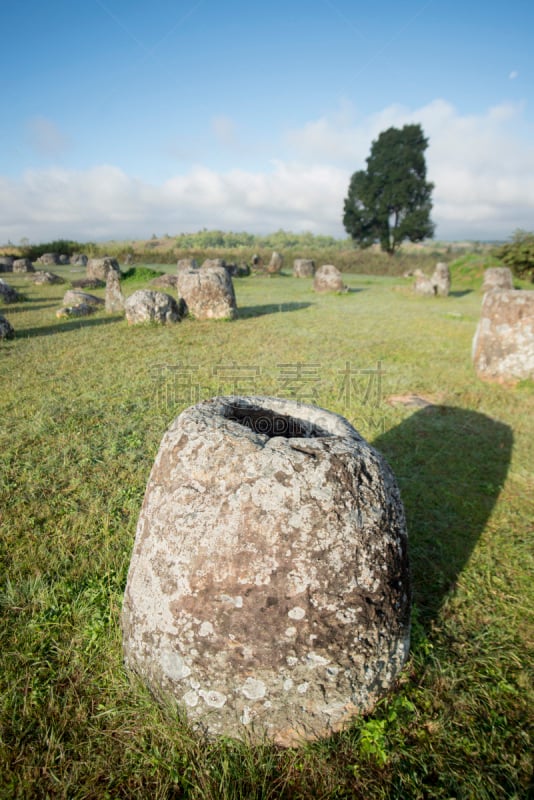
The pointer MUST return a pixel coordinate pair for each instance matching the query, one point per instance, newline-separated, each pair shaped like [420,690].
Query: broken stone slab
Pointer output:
[79,310]
[503,345]
[75,297]
[269,588]
[44,277]
[87,283]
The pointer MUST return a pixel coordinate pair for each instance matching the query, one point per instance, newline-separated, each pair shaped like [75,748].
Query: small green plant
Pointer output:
[373,740]
[139,274]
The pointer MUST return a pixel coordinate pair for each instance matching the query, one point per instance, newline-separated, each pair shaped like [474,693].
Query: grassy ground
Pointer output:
[83,408]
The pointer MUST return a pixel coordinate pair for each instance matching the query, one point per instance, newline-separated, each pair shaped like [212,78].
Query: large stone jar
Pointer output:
[269,589]
[328,279]
[503,345]
[208,292]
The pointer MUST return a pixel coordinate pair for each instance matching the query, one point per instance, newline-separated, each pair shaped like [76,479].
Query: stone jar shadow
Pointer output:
[450,464]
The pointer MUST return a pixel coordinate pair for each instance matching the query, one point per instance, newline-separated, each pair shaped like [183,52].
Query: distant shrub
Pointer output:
[62,246]
[139,274]
[518,254]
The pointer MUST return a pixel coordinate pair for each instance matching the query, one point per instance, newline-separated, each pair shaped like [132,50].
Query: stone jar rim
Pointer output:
[262,418]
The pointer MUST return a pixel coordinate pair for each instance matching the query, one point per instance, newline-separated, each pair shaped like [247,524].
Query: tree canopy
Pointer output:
[391,200]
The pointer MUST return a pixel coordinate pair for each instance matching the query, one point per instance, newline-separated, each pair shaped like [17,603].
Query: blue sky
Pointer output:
[123,119]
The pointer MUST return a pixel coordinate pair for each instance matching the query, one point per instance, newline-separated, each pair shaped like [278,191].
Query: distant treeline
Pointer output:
[281,240]
[240,247]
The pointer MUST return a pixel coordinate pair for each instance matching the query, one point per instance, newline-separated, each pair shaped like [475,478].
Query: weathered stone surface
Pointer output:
[23,265]
[6,329]
[42,276]
[165,281]
[441,279]
[269,588]
[64,259]
[423,284]
[88,283]
[79,310]
[303,268]
[275,264]
[208,292]
[78,260]
[257,261]
[503,346]
[214,262]
[328,279]
[497,278]
[114,297]
[8,294]
[99,267]
[150,306]
[6,263]
[74,297]
[238,270]
[186,264]
[48,259]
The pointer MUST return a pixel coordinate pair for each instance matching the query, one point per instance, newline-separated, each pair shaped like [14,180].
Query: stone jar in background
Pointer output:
[274,267]
[497,278]
[441,279]
[269,589]
[328,279]
[22,265]
[503,345]
[303,268]
[146,305]
[208,292]
[99,267]
[115,299]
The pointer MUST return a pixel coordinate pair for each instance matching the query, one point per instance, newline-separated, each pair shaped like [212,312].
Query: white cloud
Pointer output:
[482,167]
[513,74]
[106,203]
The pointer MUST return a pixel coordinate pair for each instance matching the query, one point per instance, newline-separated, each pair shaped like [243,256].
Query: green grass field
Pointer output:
[83,407]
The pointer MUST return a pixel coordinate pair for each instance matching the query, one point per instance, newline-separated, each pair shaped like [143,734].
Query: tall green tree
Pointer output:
[391,200]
